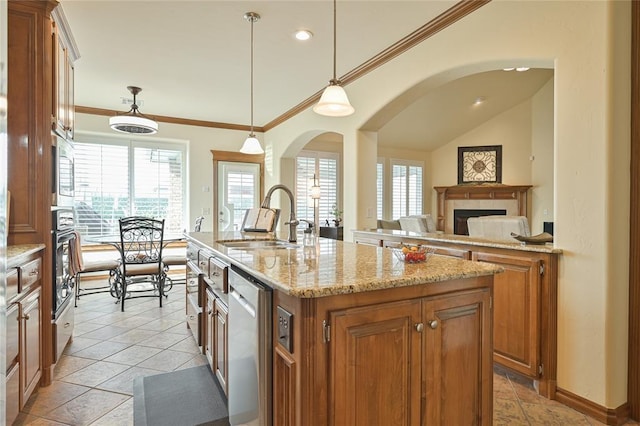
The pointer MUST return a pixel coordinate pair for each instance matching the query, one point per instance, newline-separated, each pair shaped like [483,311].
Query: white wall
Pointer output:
[542,165]
[579,39]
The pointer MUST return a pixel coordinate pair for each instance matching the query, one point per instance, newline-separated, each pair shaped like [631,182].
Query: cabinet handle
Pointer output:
[33,272]
[26,317]
[433,324]
[192,317]
[419,327]
[67,324]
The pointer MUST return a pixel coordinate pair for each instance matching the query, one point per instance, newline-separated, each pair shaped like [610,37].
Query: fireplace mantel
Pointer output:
[512,197]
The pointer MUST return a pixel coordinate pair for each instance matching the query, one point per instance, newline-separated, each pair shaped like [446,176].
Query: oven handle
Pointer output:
[63,237]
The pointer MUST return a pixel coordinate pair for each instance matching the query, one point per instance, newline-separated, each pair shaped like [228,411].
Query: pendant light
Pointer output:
[334,101]
[133,121]
[251,144]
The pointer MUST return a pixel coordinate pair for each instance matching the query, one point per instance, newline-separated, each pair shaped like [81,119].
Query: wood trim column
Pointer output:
[633,392]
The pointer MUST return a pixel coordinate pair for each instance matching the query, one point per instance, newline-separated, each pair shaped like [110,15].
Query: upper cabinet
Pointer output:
[64,54]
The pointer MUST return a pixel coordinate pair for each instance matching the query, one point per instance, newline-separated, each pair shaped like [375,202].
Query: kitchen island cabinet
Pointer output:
[363,327]
[525,297]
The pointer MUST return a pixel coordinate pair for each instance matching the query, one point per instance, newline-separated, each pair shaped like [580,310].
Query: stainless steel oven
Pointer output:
[62,234]
[62,179]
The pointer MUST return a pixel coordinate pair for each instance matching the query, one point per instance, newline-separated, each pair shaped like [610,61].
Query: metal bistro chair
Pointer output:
[179,260]
[141,268]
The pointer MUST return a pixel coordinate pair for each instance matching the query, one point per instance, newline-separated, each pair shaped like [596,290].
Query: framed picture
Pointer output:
[480,164]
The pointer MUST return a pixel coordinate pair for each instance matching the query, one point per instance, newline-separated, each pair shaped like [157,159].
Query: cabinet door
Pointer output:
[221,359]
[30,353]
[458,364]
[210,324]
[59,109]
[516,324]
[375,356]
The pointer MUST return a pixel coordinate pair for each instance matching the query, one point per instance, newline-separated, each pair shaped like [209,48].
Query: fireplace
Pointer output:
[460,217]
[510,198]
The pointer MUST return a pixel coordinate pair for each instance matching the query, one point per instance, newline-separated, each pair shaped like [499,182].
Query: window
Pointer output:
[117,179]
[325,167]
[406,188]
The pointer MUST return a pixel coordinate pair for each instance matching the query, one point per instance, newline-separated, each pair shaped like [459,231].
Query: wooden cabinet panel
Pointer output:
[12,394]
[30,273]
[375,361]
[284,386]
[30,355]
[458,373]
[209,329]
[13,335]
[516,312]
[221,361]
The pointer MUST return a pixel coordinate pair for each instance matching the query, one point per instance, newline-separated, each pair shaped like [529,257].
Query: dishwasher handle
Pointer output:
[242,301]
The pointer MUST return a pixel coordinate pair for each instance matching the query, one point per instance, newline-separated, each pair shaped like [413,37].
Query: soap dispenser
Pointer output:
[308,239]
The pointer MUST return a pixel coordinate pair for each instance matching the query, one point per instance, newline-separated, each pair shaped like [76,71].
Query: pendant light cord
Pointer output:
[334,42]
[253,20]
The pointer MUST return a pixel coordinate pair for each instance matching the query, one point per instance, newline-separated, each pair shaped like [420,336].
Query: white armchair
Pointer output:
[498,227]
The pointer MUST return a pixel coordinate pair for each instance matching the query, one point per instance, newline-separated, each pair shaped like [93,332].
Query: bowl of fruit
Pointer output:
[413,254]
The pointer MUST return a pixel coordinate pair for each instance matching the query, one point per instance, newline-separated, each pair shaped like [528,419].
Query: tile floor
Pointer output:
[93,381]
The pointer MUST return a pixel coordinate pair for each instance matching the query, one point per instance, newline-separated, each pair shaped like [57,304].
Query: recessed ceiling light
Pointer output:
[508,69]
[303,35]
[520,69]
[479,100]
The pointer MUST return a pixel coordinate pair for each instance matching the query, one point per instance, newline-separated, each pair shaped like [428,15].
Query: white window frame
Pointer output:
[318,155]
[406,163]
[133,143]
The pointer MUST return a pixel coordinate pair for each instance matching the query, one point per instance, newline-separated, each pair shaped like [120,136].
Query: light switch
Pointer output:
[205,188]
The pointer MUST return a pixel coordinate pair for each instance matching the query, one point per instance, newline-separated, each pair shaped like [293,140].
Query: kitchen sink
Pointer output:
[259,244]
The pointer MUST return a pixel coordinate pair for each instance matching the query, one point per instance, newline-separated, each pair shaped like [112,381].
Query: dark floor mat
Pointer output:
[187,397]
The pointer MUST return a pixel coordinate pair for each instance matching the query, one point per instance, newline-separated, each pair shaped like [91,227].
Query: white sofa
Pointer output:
[415,223]
[498,227]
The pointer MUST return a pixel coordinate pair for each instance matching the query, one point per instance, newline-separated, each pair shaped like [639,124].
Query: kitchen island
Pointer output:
[359,337]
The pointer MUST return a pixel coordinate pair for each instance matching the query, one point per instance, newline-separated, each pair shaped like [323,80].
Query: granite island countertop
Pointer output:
[458,239]
[334,267]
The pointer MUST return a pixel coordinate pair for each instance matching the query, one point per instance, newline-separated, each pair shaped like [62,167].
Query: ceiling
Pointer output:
[192,58]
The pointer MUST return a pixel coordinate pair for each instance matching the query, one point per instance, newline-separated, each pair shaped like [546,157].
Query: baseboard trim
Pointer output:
[609,416]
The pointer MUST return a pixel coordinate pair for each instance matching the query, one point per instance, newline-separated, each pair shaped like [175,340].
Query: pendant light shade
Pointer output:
[251,145]
[334,101]
[133,121]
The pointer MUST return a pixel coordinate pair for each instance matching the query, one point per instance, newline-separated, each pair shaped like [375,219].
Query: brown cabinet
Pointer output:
[23,331]
[389,350]
[220,336]
[417,355]
[64,54]
[376,355]
[525,302]
[516,316]
[30,349]
[210,327]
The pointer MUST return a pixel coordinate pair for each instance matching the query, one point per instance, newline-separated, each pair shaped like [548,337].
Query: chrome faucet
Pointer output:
[293,222]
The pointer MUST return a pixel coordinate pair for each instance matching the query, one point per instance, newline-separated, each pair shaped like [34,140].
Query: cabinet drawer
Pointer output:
[63,330]
[194,319]
[218,275]
[13,336]
[203,261]
[29,274]
[13,394]
[12,284]
[192,253]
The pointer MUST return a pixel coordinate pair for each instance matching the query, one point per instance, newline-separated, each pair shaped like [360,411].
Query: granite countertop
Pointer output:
[14,252]
[334,267]
[461,239]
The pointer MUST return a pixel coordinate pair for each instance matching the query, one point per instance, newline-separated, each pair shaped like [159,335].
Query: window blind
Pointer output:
[325,167]
[114,180]
[379,190]
[406,189]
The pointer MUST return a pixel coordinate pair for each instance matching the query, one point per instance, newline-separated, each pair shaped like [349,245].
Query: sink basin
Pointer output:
[259,244]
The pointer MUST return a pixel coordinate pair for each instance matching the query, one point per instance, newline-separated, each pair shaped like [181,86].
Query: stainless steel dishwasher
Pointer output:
[249,350]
